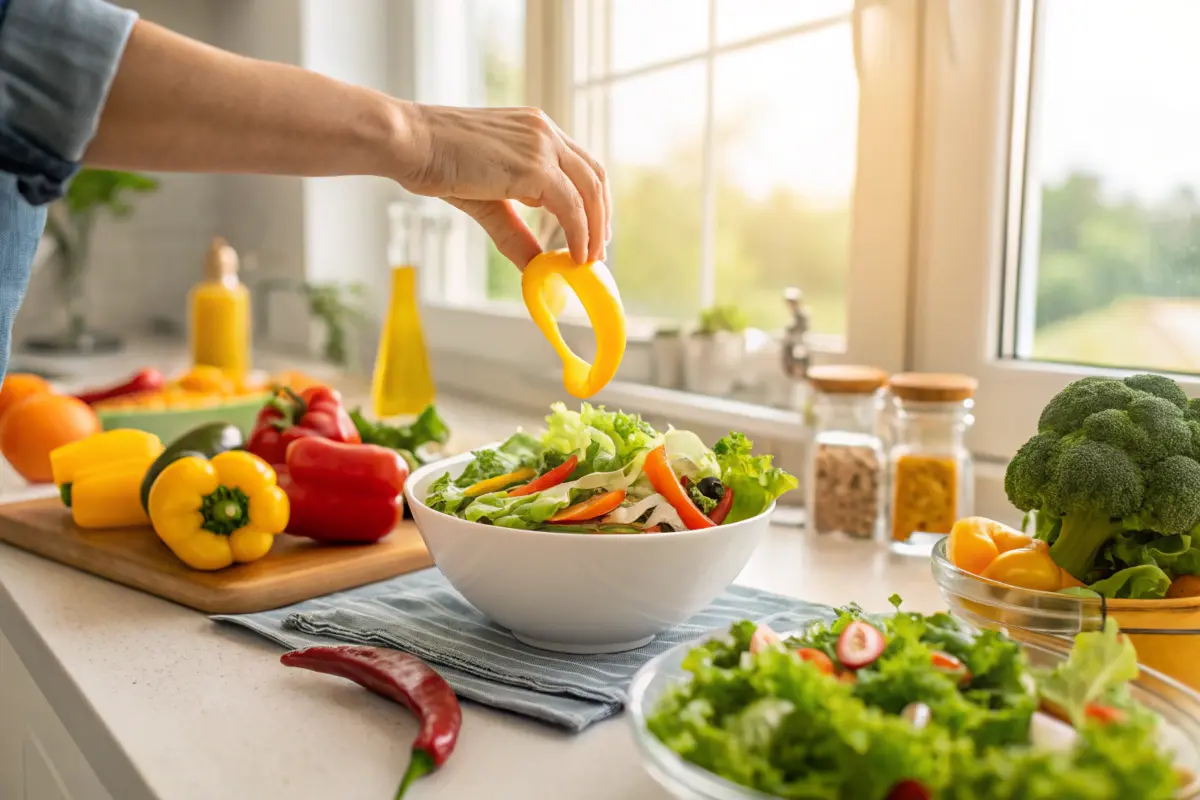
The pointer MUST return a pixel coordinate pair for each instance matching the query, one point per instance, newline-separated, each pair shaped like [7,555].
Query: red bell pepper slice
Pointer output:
[591,508]
[665,483]
[141,382]
[721,511]
[551,478]
[317,411]
[342,492]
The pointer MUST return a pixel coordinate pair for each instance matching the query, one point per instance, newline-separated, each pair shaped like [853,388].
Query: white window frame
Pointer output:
[972,228]
[887,35]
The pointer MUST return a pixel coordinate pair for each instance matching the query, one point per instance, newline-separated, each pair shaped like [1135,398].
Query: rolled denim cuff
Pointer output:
[57,62]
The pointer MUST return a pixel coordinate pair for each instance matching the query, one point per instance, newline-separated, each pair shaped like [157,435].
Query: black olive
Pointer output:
[712,488]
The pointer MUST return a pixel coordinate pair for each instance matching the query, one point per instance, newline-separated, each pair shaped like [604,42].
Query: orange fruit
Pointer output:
[38,424]
[19,385]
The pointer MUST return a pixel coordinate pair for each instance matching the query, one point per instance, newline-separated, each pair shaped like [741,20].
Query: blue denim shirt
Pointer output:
[57,61]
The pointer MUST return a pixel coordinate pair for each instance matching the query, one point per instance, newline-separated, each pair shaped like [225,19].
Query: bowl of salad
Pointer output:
[599,532]
[912,707]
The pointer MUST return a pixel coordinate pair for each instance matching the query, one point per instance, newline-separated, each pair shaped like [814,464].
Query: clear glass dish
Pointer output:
[1166,633]
[1178,706]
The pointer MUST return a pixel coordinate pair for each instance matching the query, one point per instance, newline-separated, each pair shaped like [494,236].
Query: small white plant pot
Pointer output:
[713,362]
[668,361]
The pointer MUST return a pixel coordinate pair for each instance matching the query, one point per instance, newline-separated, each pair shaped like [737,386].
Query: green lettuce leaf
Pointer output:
[755,483]
[602,440]
[1100,662]
[1144,582]
[427,428]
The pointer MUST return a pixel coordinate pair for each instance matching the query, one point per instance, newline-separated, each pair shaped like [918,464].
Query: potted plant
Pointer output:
[714,351]
[337,306]
[69,225]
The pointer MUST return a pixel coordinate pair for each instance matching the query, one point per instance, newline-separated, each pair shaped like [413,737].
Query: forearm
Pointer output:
[179,105]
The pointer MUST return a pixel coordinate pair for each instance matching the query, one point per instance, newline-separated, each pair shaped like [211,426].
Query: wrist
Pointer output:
[405,153]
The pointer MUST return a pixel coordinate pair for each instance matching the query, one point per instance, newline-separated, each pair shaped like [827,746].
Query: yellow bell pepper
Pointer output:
[99,448]
[1029,568]
[593,284]
[499,482]
[108,495]
[213,513]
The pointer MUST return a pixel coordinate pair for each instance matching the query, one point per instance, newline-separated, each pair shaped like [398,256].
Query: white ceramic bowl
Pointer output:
[580,593]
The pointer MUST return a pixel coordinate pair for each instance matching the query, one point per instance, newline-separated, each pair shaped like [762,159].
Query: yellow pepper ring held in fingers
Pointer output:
[597,292]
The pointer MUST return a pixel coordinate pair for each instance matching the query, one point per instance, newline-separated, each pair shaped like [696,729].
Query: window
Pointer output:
[729,130]
[1060,194]
[752,145]
[1111,275]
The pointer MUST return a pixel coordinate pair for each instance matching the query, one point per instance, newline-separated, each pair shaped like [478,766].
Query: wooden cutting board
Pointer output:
[296,569]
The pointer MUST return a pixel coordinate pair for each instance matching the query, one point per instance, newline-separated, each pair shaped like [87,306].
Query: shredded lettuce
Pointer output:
[1100,662]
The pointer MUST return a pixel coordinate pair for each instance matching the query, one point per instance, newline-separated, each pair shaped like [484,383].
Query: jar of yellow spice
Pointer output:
[930,471]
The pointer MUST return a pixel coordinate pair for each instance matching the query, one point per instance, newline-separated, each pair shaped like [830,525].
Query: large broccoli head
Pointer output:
[1111,455]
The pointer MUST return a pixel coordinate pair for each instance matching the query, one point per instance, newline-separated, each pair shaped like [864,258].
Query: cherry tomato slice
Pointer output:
[763,639]
[817,658]
[859,645]
[548,480]
[909,790]
[950,664]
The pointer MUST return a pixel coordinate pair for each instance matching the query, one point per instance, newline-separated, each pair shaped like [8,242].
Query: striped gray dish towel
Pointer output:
[422,614]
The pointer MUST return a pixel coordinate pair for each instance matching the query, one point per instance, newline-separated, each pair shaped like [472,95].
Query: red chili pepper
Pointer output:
[146,380]
[721,511]
[551,478]
[317,411]
[404,679]
[342,492]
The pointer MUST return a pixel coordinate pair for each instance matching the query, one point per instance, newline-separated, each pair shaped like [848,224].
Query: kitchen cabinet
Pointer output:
[38,758]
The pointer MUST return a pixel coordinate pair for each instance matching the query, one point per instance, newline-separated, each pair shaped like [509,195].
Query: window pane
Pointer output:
[640,33]
[1113,193]
[745,19]
[654,162]
[786,155]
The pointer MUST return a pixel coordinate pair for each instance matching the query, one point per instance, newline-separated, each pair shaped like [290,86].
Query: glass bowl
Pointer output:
[1166,633]
[1178,706]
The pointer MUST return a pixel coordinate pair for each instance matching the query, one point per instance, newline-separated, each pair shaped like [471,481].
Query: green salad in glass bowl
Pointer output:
[909,706]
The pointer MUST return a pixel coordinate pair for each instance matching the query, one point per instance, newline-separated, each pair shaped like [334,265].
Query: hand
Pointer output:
[479,160]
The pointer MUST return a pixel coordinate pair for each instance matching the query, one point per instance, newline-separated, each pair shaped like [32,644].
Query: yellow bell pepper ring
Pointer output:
[597,292]
[99,448]
[212,513]
[109,495]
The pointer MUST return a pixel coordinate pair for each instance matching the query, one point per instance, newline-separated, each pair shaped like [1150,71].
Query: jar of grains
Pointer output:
[846,458]
[930,471]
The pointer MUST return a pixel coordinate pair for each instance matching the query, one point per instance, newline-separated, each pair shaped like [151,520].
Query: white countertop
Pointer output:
[167,705]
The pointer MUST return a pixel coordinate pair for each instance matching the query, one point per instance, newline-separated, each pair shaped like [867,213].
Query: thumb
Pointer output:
[499,219]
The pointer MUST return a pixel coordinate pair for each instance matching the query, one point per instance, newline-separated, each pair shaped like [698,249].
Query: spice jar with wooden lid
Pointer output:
[930,470]
[846,458]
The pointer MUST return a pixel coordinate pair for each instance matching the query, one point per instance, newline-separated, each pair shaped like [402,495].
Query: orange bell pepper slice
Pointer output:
[542,291]
[663,479]
[591,508]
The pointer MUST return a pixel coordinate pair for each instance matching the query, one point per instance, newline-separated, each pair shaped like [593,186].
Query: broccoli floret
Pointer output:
[1110,455]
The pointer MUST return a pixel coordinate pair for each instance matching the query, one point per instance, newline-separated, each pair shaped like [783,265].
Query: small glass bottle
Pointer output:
[930,470]
[846,458]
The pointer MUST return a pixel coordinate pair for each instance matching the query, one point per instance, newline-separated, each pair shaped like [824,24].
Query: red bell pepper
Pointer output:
[342,492]
[146,380]
[547,480]
[287,417]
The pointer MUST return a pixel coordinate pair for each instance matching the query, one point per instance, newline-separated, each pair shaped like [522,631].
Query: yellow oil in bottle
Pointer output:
[219,314]
[402,383]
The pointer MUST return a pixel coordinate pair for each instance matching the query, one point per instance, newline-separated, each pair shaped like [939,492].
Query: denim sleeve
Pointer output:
[57,62]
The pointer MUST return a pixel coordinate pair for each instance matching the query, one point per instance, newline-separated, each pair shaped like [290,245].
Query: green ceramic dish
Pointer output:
[169,425]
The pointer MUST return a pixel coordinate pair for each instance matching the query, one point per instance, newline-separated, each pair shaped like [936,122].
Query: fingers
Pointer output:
[499,219]
[602,176]
[591,191]
[562,199]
